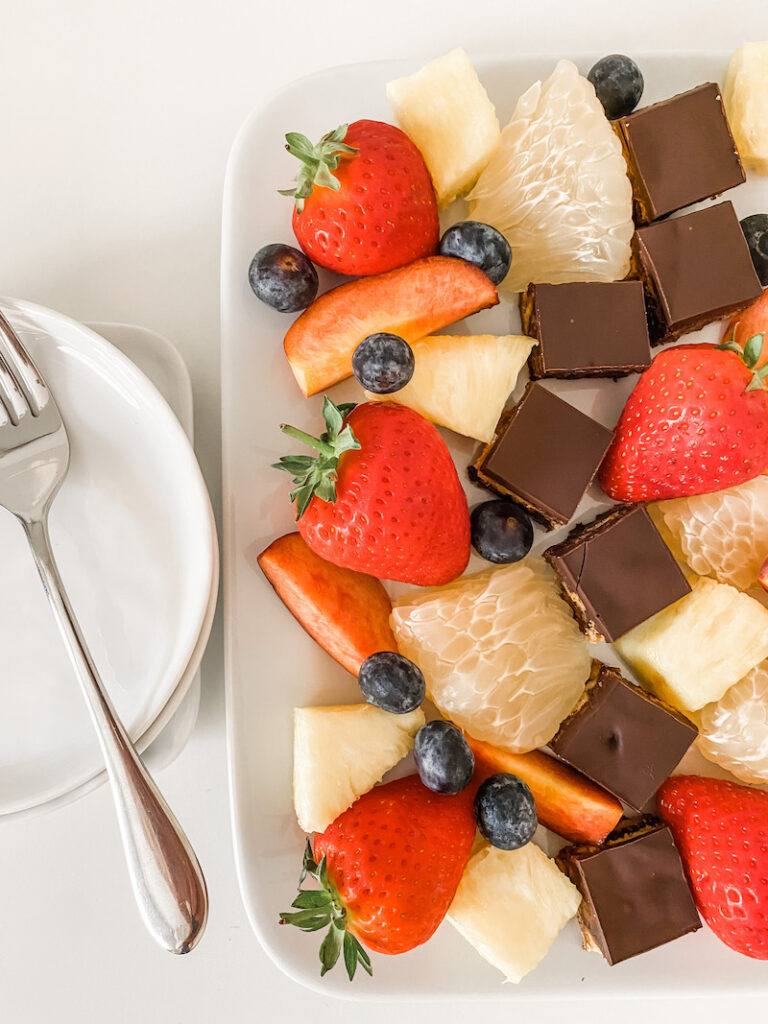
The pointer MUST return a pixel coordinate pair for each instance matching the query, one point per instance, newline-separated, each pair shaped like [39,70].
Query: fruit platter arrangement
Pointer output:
[530,669]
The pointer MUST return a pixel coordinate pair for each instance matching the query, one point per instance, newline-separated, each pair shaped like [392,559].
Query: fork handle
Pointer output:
[165,874]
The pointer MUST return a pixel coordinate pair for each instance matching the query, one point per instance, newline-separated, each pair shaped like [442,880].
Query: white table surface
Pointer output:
[116,120]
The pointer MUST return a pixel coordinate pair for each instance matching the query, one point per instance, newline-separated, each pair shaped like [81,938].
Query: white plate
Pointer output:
[131,529]
[167,736]
[271,665]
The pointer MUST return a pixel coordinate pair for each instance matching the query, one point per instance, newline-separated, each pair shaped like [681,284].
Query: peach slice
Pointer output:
[411,301]
[566,802]
[762,576]
[750,321]
[346,612]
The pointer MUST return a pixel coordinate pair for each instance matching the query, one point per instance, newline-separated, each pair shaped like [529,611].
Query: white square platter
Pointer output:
[271,664]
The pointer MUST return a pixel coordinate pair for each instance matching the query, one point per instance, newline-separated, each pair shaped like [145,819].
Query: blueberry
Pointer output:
[755,230]
[618,83]
[480,244]
[505,811]
[391,682]
[501,531]
[443,757]
[283,277]
[383,363]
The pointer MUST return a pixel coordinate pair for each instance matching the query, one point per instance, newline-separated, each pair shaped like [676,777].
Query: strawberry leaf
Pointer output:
[317,162]
[315,476]
[753,350]
[320,908]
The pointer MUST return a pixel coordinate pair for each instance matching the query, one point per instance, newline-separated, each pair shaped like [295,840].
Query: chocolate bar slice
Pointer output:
[586,329]
[695,269]
[616,572]
[635,895]
[679,151]
[544,455]
[622,737]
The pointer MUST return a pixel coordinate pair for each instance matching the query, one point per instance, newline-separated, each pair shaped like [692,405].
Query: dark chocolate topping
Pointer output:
[619,570]
[544,455]
[587,329]
[623,738]
[697,267]
[680,151]
[636,895]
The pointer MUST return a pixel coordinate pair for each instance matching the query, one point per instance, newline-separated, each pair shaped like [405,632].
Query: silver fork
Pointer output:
[34,457]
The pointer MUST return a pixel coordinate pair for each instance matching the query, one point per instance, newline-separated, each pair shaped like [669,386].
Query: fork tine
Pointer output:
[13,397]
[22,369]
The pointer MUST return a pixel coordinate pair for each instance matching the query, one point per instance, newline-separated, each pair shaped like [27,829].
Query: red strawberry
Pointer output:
[383,496]
[697,421]
[721,830]
[364,199]
[388,869]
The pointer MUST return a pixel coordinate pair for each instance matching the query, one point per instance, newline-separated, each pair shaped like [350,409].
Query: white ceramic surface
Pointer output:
[131,528]
[271,664]
[167,736]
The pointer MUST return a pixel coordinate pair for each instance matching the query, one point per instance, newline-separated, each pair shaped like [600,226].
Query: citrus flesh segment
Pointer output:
[463,382]
[557,187]
[723,534]
[733,732]
[501,652]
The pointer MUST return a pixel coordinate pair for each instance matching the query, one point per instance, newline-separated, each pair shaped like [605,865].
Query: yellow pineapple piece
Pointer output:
[341,752]
[511,905]
[446,112]
[463,383]
[746,103]
[500,651]
[693,651]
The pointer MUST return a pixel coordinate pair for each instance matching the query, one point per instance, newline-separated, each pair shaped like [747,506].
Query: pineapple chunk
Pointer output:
[694,650]
[341,752]
[746,103]
[511,905]
[446,112]
[463,383]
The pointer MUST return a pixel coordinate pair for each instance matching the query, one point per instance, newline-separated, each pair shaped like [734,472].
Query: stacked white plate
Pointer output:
[134,536]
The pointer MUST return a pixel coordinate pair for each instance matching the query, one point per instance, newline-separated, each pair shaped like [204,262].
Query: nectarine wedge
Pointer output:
[346,612]
[566,802]
[411,301]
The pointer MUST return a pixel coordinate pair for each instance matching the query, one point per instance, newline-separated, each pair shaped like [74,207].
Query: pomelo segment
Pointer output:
[557,187]
[501,652]
[733,732]
[723,534]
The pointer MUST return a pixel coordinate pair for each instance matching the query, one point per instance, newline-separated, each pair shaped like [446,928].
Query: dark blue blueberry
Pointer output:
[391,682]
[501,531]
[505,812]
[443,757]
[283,277]
[755,230]
[618,83]
[480,244]
[383,363]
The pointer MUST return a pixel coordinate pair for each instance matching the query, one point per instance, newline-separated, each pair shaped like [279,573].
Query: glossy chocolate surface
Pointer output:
[635,893]
[586,329]
[616,572]
[679,151]
[623,738]
[544,455]
[696,269]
